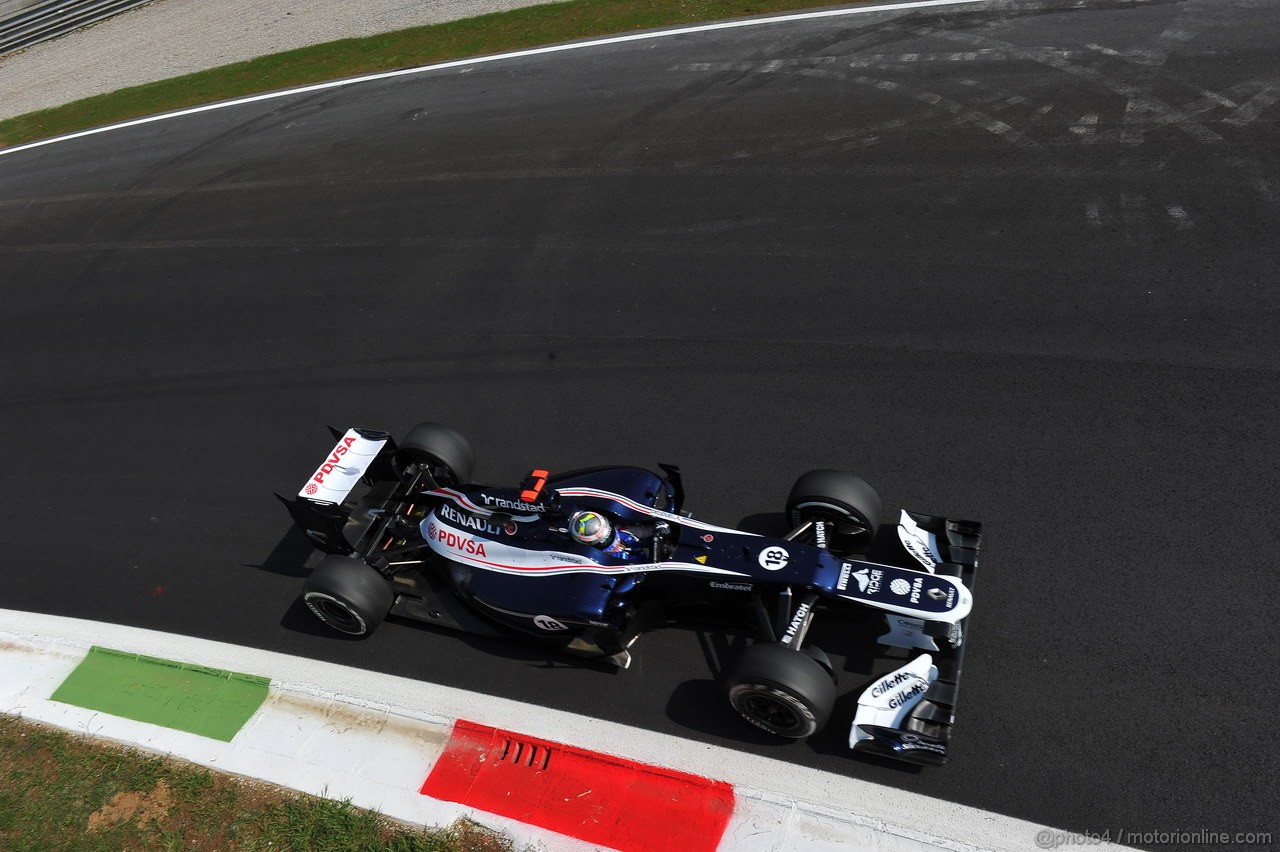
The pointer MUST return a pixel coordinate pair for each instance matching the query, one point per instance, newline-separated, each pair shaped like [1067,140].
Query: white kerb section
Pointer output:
[338,474]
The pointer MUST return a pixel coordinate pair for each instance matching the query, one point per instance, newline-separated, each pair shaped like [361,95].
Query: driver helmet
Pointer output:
[590,528]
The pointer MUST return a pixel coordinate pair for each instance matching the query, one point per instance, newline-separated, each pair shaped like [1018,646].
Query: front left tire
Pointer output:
[784,691]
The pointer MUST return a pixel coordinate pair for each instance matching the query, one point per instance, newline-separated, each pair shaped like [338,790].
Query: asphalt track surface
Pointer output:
[1012,262]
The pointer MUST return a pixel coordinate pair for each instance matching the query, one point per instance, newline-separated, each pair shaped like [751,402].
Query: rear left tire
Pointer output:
[348,595]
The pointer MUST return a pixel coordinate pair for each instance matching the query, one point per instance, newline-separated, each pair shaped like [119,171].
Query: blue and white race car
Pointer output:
[585,561]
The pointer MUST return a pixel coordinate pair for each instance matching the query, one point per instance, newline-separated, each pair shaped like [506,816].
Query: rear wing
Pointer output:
[356,452]
[319,509]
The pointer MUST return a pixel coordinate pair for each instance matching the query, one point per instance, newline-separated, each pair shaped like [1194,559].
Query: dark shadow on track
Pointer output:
[834,738]
[298,619]
[701,705]
[289,557]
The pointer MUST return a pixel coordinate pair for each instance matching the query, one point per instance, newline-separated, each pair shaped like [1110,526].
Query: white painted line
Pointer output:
[519,54]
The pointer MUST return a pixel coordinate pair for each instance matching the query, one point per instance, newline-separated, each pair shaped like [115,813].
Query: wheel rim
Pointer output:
[776,711]
[335,614]
[770,711]
[846,533]
[830,515]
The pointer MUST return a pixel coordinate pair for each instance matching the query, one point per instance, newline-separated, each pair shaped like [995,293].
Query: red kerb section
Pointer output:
[594,797]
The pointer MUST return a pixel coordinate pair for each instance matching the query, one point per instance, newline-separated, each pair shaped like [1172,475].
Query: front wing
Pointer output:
[908,713]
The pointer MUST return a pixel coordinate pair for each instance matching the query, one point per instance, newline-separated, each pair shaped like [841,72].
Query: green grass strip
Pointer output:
[488,34]
[65,793]
[210,702]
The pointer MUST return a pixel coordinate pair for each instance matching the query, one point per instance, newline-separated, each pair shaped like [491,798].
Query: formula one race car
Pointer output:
[586,560]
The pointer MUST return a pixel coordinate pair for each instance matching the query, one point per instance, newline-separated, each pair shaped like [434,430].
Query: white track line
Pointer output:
[519,54]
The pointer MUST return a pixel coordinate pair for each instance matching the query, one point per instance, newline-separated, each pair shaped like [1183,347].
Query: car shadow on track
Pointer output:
[534,655]
[289,557]
[298,619]
[700,705]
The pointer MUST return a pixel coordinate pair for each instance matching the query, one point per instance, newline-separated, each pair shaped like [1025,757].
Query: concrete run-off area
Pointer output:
[169,38]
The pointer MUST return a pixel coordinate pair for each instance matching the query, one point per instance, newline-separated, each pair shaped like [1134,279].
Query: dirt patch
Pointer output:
[472,837]
[146,807]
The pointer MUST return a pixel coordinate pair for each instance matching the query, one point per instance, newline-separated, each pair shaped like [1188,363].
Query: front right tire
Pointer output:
[844,501]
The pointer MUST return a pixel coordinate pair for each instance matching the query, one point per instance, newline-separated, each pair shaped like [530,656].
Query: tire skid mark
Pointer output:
[991,99]
[1059,171]
[964,114]
[1128,56]
[1086,128]
[1194,18]
[883,60]
[819,67]
[762,66]
[1135,214]
[1096,213]
[1246,112]
[1144,112]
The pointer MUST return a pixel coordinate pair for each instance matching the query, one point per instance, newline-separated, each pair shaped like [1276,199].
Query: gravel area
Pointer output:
[172,37]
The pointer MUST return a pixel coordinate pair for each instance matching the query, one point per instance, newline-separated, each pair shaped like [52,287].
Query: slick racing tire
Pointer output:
[447,453]
[781,690]
[348,595]
[839,498]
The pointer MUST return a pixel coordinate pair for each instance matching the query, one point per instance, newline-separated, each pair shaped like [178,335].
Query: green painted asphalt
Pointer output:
[211,702]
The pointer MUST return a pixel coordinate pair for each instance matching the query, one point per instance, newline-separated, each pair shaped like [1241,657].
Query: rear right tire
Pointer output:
[447,453]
